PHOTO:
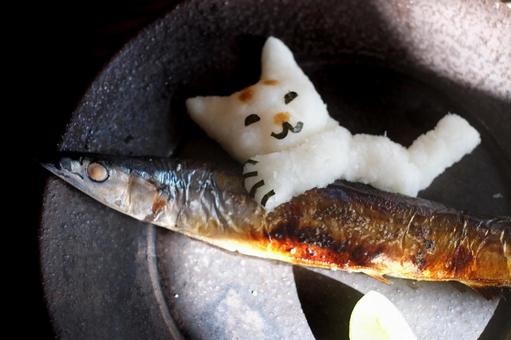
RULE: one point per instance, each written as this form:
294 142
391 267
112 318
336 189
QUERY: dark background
59 49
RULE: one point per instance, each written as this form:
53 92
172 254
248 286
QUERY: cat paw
255 182
261 180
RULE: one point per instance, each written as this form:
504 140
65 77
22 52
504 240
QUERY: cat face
279 111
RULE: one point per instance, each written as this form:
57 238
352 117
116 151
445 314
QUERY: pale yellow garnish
375 317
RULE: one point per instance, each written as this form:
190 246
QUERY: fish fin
488 293
380 278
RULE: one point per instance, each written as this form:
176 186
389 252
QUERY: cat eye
290 96
251 119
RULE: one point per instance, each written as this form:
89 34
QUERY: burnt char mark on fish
461 260
363 255
419 259
311 240
429 245
312 243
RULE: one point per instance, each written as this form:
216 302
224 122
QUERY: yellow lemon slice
375 317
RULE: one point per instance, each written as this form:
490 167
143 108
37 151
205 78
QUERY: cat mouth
286 127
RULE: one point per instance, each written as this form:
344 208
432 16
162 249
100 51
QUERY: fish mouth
61 166
67 175
51 168
286 127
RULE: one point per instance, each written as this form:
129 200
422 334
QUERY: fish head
101 178
183 196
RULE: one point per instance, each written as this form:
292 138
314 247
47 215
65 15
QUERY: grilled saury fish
343 226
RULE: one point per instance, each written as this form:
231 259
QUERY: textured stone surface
433 310
108 276
233 297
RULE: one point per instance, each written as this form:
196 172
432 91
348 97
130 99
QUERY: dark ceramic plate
394 66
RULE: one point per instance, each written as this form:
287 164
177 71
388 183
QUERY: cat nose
281 117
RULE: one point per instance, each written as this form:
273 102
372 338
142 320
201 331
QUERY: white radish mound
321 151
382 163
317 162
375 160
446 144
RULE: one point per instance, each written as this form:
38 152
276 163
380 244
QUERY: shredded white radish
282 127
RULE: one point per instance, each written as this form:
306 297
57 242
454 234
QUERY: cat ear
207 112
277 61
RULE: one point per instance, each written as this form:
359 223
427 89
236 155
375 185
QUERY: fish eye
97 172
288 98
251 119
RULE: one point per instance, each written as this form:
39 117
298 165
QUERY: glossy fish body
343 226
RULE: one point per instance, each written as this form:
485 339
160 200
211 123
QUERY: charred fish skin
359 229
343 226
